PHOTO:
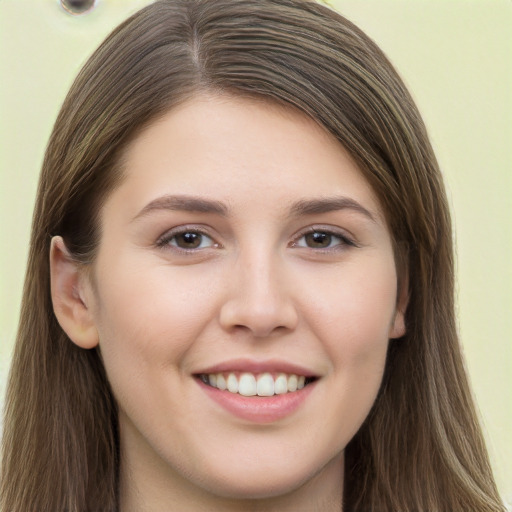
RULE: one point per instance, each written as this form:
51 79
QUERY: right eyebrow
184 203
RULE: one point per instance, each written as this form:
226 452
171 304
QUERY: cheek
354 311
352 316
151 318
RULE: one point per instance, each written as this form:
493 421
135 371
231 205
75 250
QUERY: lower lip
259 409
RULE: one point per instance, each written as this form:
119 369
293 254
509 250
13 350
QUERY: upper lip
253 366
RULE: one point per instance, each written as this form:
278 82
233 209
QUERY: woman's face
244 245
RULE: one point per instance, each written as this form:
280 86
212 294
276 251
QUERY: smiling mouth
250 384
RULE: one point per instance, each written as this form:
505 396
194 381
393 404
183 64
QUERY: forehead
239 150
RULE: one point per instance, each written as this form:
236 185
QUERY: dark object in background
78 6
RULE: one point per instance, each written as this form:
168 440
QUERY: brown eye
182 239
190 240
318 240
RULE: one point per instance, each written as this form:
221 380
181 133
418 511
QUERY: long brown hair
421 447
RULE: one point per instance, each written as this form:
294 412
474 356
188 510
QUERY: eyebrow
302 207
330 204
184 203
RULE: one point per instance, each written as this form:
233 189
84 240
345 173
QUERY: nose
259 298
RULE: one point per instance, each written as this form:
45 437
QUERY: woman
248 303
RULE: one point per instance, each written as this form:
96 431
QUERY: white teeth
292 383
221 381
232 383
265 384
281 384
247 384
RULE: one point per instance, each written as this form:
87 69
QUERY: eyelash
342 237
165 240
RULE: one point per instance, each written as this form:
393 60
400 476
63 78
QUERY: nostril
77 7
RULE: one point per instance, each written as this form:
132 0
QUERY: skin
256 288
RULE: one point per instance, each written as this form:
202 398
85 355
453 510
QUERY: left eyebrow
330 204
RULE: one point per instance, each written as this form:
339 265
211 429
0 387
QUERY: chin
264 481
251 488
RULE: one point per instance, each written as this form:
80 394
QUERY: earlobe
398 327
70 292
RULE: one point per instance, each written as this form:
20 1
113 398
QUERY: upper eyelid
331 230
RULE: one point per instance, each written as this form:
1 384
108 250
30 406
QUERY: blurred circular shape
78 6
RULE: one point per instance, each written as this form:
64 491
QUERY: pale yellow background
456 57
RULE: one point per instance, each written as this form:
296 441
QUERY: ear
398 328
71 296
